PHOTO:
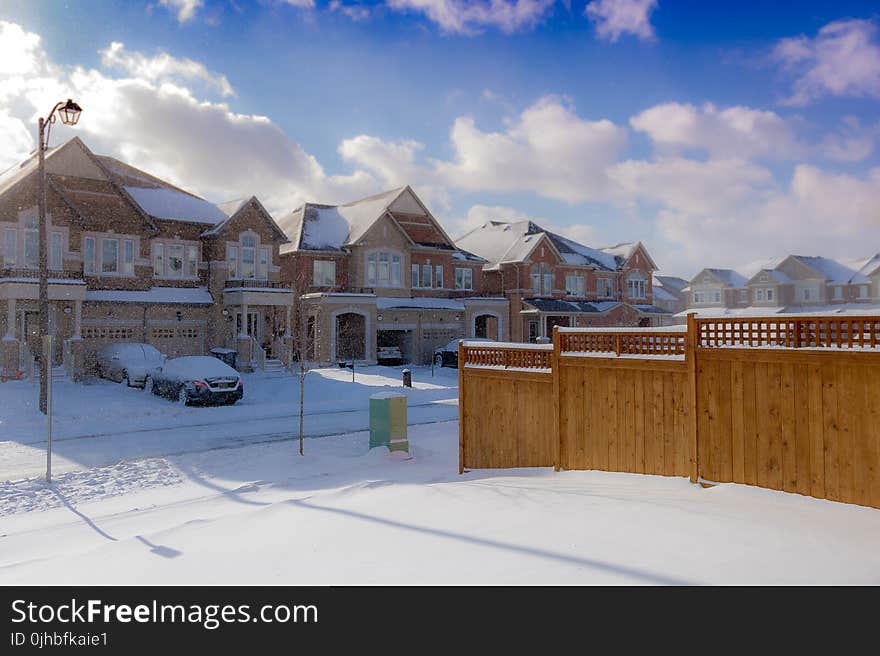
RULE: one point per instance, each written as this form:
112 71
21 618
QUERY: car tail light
200 384
241 383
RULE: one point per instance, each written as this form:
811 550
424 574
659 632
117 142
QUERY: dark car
447 356
198 379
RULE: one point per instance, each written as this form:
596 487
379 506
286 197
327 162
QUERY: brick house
382 272
670 293
718 288
551 280
134 258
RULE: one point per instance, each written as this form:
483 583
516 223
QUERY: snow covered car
447 356
128 362
198 379
389 355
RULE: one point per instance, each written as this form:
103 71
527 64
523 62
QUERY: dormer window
247 259
383 269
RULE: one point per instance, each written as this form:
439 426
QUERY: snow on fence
784 403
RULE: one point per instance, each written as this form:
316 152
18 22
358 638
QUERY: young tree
304 335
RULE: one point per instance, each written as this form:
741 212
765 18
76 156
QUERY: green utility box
388 421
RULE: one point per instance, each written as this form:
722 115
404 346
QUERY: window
192 261
31 247
383 269
128 257
699 297
863 291
536 281
158 260
232 261
838 293
769 294
109 256
89 255
323 273
605 288
542 277
438 278
55 251
533 331
636 286
414 275
464 278
174 263
759 294
10 241
574 285
548 282
263 269
744 296
426 275
808 294
248 256
716 296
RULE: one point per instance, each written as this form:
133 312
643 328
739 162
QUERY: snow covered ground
251 510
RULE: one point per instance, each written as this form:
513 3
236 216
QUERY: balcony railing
65 274
253 282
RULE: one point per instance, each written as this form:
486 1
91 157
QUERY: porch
259 320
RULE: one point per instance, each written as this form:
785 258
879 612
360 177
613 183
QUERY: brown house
380 277
551 280
135 258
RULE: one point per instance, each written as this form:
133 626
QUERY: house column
77 320
543 325
10 319
244 321
288 312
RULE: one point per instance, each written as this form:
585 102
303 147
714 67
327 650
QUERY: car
447 356
389 355
198 380
128 362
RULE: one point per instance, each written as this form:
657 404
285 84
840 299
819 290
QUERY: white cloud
843 59
355 12
853 142
548 150
615 18
736 131
302 4
162 67
186 9
472 16
164 128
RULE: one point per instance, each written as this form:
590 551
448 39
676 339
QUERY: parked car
128 362
447 356
198 379
389 355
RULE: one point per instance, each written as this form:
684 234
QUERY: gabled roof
727 277
501 242
672 283
777 277
319 227
864 267
233 208
661 294
832 270
626 250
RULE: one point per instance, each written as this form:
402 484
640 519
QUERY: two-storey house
550 280
380 272
134 258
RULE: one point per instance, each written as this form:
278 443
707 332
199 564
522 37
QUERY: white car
129 362
389 355
198 380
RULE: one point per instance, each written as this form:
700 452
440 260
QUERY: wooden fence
784 403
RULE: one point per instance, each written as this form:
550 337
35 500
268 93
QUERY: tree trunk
302 399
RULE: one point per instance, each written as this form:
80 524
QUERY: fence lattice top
632 342
537 358
807 332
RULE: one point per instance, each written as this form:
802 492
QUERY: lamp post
69 112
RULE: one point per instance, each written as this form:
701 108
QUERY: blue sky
718 133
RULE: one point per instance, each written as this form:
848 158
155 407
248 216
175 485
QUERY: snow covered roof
650 309
670 282
172 295
231 207
777 276
501 242
661 294
570 307
727 276
170 203
850 309
832 270
864 267
422 303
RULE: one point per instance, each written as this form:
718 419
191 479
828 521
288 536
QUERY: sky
719 134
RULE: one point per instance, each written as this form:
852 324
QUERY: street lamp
69 112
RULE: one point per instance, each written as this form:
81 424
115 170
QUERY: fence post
690 356
617 344
554 368
460 407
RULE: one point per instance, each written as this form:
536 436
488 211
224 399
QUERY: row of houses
795 284
134 258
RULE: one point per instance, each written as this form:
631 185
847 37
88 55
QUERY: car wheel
125 379
148 385
438 360
182 396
